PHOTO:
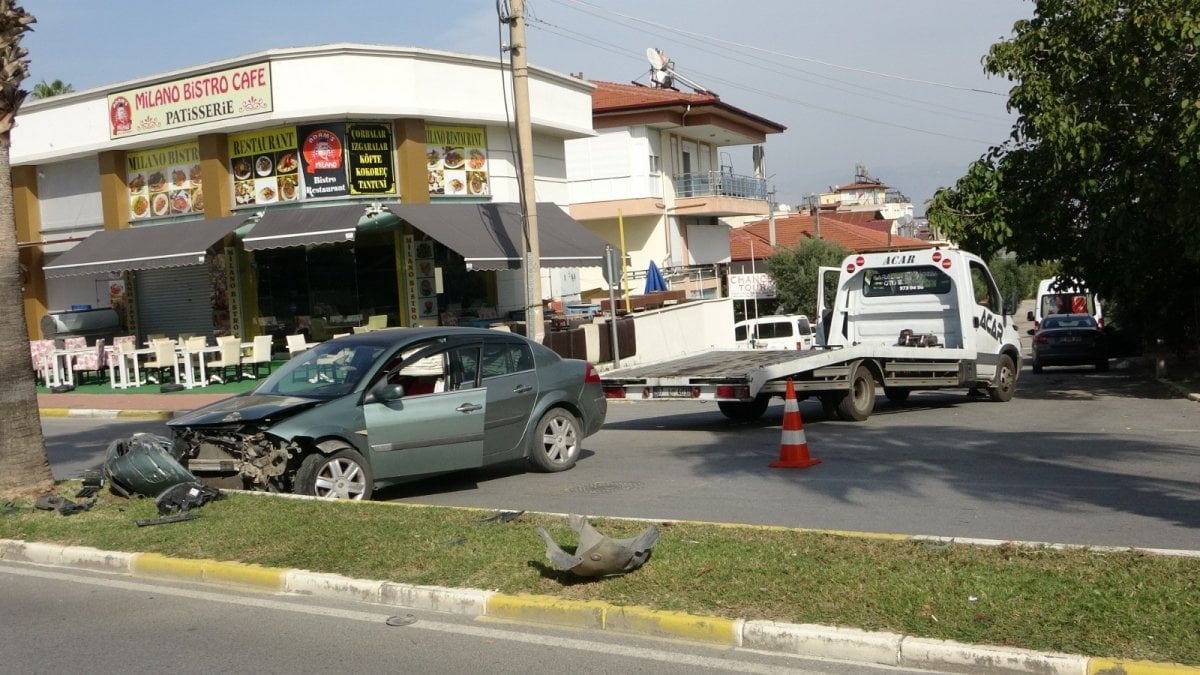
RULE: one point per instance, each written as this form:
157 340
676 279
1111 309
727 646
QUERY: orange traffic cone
793 450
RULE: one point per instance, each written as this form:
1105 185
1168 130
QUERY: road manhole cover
607 488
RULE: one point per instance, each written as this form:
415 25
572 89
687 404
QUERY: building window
655 164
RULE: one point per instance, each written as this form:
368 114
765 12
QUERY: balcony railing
719 184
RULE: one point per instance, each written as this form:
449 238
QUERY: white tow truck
926 319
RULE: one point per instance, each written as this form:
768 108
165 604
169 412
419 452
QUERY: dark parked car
373 409
1069 340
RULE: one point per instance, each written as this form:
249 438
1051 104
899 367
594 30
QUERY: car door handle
469 407
522 389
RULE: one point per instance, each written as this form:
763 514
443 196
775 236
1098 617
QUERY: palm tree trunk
24 468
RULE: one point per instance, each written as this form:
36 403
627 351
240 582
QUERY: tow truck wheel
743 411
829 405
859 402
897 394
1006 380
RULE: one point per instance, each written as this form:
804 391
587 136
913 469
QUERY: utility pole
814 205
534 328
771 215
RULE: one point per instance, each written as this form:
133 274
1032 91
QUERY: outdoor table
191 356
61 372
118 367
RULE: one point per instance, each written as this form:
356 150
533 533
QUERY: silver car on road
368 410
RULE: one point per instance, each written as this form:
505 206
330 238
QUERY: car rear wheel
555 442
744 411
1006 380
1037 368
340 474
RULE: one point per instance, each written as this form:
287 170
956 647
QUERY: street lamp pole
534 327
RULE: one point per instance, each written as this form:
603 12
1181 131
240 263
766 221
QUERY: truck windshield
905 281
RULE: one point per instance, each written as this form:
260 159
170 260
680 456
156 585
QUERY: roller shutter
174 301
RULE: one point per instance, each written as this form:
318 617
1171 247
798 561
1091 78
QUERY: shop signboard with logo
222 95
265 166
457 161
164 181
323 160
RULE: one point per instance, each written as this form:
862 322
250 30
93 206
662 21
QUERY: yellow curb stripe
645 621
1106 667
153 564
542 609
604 616
54 412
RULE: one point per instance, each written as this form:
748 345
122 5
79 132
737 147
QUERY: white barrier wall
685 328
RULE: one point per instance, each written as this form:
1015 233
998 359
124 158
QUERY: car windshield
330 369
1069 321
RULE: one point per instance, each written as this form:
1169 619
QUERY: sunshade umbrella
654 279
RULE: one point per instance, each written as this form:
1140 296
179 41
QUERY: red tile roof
611 97
790 231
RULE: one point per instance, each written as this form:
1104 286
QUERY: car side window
505 358
462 368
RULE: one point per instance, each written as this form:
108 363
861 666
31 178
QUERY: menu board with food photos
265 166
164 181
457 161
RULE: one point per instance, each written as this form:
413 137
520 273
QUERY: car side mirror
1029 316
385 393
1031 331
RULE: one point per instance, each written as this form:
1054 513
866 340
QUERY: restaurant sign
164 181
222 95
331 159
264 166
457 161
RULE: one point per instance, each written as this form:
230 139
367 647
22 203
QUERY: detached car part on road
369 410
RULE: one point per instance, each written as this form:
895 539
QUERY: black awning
489 236
279 228
143 248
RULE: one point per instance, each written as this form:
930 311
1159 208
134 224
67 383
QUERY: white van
1059 295
792 331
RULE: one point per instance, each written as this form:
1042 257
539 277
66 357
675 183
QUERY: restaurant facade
296 189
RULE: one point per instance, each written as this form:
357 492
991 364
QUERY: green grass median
1122 605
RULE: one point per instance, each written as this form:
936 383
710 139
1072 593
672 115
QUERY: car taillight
1037 325
1040 339
799 346
734 392
1100 322
614 392
592 376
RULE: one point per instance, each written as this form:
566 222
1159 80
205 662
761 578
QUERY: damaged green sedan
368 410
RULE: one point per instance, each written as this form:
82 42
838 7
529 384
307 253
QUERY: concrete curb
106 414
807 640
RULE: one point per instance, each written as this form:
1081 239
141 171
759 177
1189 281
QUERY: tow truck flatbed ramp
717 364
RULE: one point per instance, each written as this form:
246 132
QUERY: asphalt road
1077 457
64 621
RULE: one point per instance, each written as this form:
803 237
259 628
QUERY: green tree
46 89
1101 171
794 271
24 468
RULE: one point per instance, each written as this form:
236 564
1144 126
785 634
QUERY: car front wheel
341 474
555 442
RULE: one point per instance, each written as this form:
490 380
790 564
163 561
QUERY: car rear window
1069 321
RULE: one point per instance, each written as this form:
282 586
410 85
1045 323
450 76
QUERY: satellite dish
657 59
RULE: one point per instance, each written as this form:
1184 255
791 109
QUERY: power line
711 39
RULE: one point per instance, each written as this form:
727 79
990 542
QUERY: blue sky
895 86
